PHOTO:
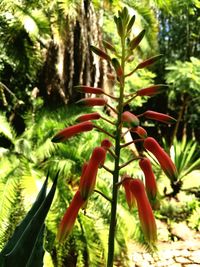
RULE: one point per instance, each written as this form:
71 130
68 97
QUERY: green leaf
20 254
36 258
20 228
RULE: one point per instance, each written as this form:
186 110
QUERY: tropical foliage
44 53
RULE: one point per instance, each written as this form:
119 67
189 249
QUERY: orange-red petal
163 158
72 130
145 212
69 217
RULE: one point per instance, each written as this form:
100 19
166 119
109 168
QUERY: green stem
111 240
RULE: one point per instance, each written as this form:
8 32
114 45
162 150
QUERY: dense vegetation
44 53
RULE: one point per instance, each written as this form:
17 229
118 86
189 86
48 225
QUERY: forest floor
183 252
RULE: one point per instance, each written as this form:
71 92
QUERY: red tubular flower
140 131
88 117
69 217
130 199
163 158
150 182
152 90
89 89
88 179
149 114
91 102
72 130
145 212
130 118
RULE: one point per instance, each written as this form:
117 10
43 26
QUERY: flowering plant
137 194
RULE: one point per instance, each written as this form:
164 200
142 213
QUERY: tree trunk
69 61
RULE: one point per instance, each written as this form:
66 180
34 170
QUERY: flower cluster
143 196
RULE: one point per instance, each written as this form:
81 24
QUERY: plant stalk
113 219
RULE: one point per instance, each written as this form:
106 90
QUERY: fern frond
11 208
6 129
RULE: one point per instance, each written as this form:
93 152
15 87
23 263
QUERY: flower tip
57 138
106 143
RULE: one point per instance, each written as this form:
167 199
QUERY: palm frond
186 157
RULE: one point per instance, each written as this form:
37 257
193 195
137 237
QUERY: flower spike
69 217
71 131
163 158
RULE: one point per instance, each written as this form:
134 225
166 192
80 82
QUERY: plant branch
128 162
107 169
105 119
104 131
132 142
103 195
113 109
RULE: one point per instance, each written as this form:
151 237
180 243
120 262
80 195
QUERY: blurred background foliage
44 53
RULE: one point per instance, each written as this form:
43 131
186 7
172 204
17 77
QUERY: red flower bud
149 114
152 90
140 131
163 158
72 130
150 180
130 199
135 42
109 46
100 53
88 178
90 102
88 117
148 62
117 67
130 118
69 217
145 212
89 89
